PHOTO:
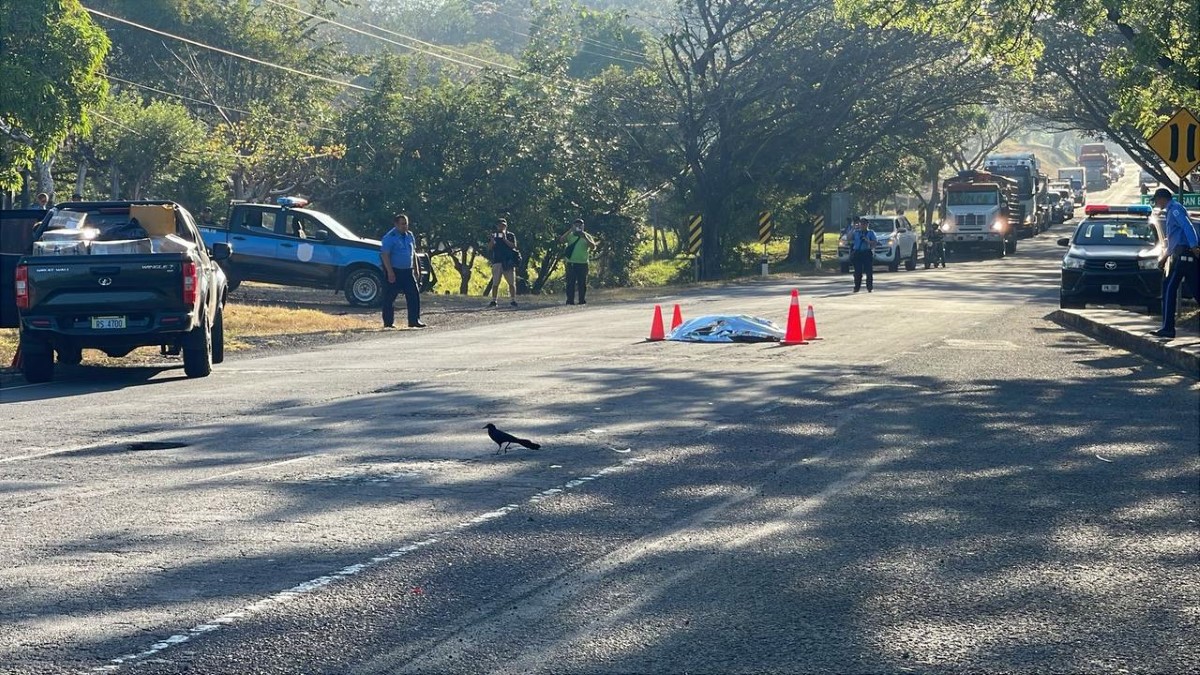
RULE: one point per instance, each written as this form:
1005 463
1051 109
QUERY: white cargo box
171 244
67 220
122 247
60 247
81 234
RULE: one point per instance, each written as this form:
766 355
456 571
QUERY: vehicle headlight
998 225
1072 263
1029 219
947 226
842 241
1148 263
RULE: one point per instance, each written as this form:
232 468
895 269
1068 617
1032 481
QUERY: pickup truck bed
119 302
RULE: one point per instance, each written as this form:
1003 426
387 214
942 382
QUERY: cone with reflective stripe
677 318
810 325
656 326
794 334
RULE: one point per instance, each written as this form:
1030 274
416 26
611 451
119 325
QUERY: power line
401 44
608 45
218 106
227 52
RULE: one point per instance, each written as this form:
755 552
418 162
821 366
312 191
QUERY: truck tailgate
131 284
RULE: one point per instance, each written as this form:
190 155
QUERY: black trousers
577 281
405 283
864 263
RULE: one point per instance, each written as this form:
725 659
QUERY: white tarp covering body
727 328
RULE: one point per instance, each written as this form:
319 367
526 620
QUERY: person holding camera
504 255
579 245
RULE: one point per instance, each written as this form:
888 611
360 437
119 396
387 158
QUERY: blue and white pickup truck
287 244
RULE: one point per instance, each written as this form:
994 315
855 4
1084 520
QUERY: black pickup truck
115 276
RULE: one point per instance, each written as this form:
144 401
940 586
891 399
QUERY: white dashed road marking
348 571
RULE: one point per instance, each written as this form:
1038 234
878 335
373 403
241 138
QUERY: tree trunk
463 265
935 169
81 175
549 262
114 182
45 179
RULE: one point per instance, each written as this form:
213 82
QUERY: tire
198 350
70 355
1064 303
37 362
218 336
845 268
894 265
910 263
1010 247
364 288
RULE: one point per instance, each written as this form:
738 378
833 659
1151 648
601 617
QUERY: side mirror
221 251
1065 241
321 235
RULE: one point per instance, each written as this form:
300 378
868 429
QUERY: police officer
1182 248
862 256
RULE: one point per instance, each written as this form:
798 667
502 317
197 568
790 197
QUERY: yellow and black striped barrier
766 227
694 234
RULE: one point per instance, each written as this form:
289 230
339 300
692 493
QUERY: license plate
107 322
1110 288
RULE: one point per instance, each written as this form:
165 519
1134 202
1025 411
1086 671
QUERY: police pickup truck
116 276
287 244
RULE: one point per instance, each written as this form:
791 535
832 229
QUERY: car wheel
894 265
364 288
845 268
218 336
1010 247
910 263
198 350
1063 303
37 362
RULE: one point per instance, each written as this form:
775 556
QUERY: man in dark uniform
1182 248
862 256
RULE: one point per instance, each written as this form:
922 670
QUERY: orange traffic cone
677 319
656 326
810 325
794 334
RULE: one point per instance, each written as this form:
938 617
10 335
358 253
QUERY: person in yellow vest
579 245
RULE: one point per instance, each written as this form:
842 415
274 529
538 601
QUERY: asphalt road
945 482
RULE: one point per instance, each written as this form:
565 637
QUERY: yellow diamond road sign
1178 142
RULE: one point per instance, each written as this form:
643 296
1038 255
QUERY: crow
503 439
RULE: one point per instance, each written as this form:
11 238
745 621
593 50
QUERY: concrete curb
1184 357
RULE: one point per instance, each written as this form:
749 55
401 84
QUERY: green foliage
158 150
52 55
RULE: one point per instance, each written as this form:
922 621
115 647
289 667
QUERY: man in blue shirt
1182 248
862 243
399 258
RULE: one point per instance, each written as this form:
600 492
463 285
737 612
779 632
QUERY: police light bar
1136 209
295 202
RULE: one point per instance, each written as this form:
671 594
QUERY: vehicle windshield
335 228
1116 232
972 198
1019 174
102 224
881 225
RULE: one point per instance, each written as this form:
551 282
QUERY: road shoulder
1131 332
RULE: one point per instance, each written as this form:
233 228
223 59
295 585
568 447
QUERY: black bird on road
504 439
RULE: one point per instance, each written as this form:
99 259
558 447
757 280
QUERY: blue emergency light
292 202
1132 209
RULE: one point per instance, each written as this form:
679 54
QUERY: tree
52 56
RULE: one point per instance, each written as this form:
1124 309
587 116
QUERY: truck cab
285 243
1022 169
978 213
